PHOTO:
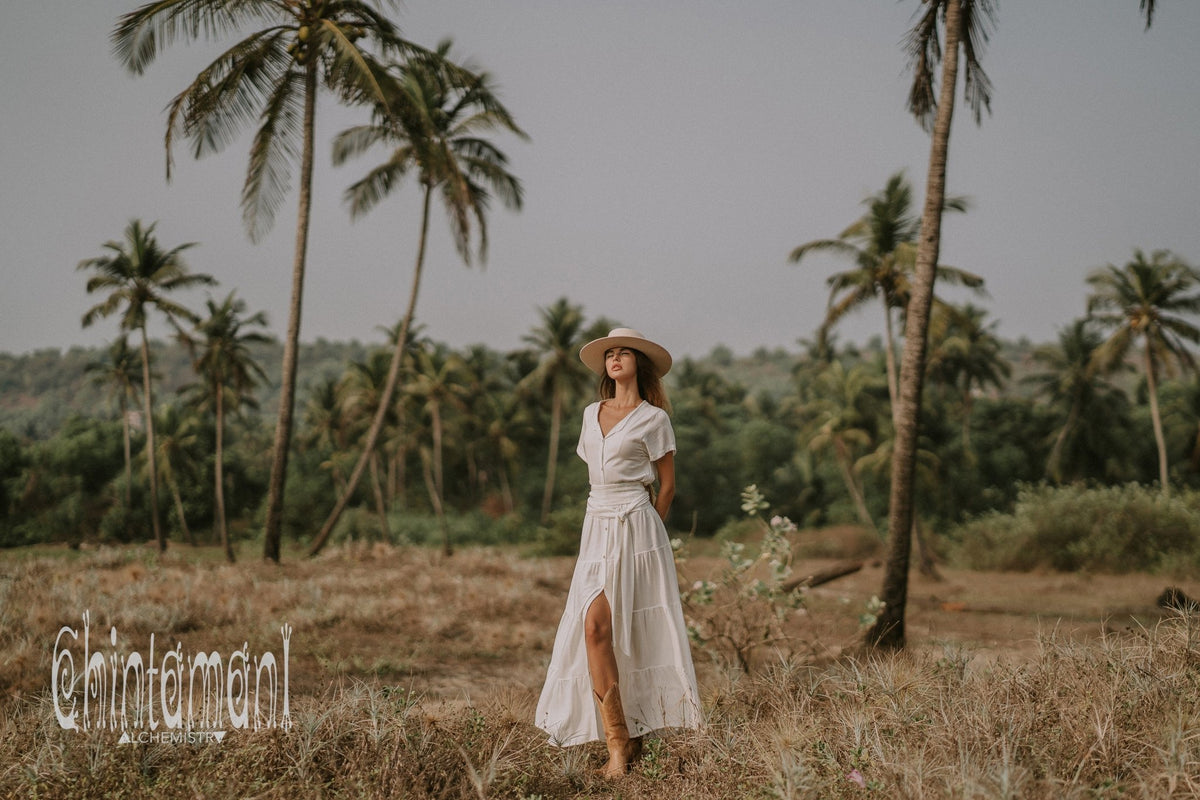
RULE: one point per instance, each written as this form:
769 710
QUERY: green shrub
560 536
1117 529
466 529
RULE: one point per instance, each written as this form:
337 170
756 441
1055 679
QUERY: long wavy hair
650 385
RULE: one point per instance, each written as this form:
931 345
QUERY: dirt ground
502 643
483 621
1003 615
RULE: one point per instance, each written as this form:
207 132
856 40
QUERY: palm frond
924 53
977 16
823 245
1147 7
227 95
350 72
365 194
140 34
356 141
272 153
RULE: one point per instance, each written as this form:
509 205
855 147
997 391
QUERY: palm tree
326 427
222 358
559 372
882 244
139 275
362 393
506 418
1143 301
1181 417
437 115
965 25
120 373
483 381
177 436
271 78
1071 380
967 356
437 383
842 419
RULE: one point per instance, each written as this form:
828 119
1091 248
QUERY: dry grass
413 675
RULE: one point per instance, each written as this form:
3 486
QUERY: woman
621 661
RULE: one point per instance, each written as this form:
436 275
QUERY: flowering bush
746 607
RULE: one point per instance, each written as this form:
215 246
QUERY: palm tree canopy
848 404
1147 8
882 243
434 119
967 352
261 79
558 339
925 57
362 388
1069 368
1147 299
140 273
439 377
120 372
222 354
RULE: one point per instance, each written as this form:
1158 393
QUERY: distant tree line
468 431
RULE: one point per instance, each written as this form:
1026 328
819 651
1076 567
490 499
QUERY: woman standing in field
621 665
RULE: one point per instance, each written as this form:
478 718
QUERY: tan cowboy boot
621 749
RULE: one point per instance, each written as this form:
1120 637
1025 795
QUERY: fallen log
824 576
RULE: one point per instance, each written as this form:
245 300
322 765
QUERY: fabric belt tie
616 501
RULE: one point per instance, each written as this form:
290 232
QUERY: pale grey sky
679 151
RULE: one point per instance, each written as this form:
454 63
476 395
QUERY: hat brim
592 353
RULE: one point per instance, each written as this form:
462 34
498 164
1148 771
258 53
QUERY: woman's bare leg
597 635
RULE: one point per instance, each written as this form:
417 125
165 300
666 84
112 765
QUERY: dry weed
416 676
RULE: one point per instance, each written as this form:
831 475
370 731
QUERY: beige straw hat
592 353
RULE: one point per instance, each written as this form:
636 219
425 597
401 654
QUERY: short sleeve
660 436
581 448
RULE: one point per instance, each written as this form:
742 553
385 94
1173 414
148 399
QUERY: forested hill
40 390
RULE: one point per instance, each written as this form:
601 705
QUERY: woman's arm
666 485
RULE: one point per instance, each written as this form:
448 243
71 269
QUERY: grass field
415 675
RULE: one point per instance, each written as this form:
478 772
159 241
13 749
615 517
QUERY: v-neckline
618 423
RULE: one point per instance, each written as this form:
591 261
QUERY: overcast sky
678 152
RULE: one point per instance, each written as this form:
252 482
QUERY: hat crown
592 353
629 332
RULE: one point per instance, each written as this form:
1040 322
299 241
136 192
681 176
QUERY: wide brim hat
592 353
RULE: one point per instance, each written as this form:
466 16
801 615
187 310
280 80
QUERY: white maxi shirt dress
624 552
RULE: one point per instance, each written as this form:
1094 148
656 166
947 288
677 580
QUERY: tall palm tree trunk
380 503
435 414
389 386
127 441
178 500
219 476
842 456
924 557
968 407
507 494
888 630
552 459
401 458
1054 463
287 392
1156 419
151 460
889 358
436 500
